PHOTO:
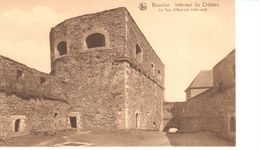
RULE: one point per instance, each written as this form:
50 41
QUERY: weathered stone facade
104 74
173 113
214 109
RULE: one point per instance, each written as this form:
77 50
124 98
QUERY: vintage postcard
117 73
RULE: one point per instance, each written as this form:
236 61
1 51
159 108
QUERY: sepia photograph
117 73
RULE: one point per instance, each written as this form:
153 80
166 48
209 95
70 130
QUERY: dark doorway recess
136 120
17 125
73 122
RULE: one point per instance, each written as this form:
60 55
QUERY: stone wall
214 110
144 101
33 97
149 62
99 92
104 74
144 80
22 81
167 110
88 87
215 107
36 115
74 32
224 72
173 115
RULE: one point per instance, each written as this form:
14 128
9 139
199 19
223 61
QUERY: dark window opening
19 74
138 53
62 48
152 68
17 125
233 124
43 80
55 115
137 49
95 40
159 74
73 122
136 120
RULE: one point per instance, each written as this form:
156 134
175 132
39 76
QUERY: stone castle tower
104 74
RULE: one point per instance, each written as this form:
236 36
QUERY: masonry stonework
104 74
214 109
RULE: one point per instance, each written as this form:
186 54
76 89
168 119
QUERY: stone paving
120 138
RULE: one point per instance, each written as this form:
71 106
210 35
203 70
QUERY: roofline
233 51
195 79
202 87
89 14
166 102
144 37
123 8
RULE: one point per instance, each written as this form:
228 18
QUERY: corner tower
118 78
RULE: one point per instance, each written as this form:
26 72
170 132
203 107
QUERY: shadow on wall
172 123
180 136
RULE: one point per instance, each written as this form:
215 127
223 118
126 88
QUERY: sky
186 42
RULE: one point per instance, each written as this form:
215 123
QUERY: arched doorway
136 120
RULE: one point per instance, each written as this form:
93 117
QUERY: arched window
96 40
152 68
137 49
138 52
159 74
62 48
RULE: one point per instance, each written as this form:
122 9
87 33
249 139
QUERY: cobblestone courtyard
119 138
